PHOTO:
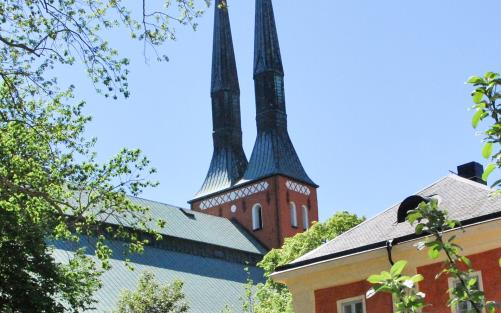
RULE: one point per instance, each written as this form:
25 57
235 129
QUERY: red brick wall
436 290
326 299
275 210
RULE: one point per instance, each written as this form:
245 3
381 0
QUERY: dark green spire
228 160
273 151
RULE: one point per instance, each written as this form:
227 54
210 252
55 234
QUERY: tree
275 297
51 186
151 297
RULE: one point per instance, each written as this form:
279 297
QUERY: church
245 207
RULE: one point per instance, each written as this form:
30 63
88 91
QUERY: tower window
306 222
257 217
293 214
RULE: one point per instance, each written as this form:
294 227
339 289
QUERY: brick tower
271 196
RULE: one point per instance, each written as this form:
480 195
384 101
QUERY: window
351 305
465 307
293 214
257 217
306 222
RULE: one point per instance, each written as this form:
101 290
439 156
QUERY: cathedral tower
274 197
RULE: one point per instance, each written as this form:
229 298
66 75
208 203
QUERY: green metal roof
209 284
191 225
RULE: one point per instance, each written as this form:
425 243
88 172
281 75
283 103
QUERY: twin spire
273 152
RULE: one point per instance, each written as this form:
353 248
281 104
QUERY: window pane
463 307
347 308
359 308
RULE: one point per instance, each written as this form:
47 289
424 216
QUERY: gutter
384 243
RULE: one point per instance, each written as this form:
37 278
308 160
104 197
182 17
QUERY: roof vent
410 203
472 171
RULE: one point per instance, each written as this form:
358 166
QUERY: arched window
306 222
293 214
257 217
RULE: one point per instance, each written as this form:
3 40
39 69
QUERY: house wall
274 199
486 262
317 287
326 299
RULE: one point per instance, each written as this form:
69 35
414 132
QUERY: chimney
472 171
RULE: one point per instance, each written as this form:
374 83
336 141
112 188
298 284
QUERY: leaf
397 268
374 279
419 229
490 75
370 293
477 117
499 262
475 80
477 97
433 253
417 278
488 170
487 150
497 182
466 261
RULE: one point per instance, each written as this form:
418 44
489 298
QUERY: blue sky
375 95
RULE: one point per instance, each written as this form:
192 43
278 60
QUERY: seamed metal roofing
462 198
195 226
209 284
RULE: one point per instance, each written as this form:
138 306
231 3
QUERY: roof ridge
470 182
180 208
156 201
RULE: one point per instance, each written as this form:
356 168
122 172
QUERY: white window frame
452 280
340 303
255 225
293 212
304 214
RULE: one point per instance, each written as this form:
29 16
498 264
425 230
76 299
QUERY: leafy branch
429 219
486 96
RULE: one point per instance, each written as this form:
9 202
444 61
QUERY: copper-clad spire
273 151
228 160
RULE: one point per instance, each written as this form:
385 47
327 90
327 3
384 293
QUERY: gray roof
209 284
462 198
200 227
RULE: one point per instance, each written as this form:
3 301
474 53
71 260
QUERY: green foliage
487 107
272 297
429 219
36 35
151 297
51 186
409 301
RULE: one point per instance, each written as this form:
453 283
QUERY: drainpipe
389 246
